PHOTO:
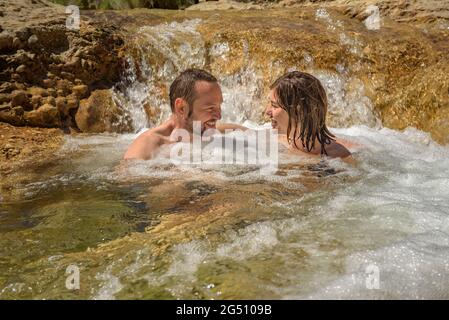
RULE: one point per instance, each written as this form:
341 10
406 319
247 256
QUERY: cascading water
157 54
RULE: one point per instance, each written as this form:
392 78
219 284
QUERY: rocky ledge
48 71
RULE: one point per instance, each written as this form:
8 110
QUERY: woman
297 109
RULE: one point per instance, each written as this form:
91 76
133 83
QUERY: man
195 95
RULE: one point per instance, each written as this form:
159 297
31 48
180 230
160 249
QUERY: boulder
46 116
20 98
80 91
11 116
6 41
99 113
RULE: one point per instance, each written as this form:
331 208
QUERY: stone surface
46 115
99 113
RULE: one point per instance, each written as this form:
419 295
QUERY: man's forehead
208 90
206 86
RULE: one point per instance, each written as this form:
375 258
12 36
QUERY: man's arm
144 147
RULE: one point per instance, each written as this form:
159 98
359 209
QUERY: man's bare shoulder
145 145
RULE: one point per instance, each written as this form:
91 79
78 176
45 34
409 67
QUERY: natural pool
308 230
155 230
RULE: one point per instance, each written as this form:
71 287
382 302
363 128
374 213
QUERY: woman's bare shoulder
337 150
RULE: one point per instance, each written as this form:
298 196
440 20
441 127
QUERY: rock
7 87
33 40
73 64
10 116
20 98
68 75
4 97
61 105
72 102
38 91
21 69
16 77
18 44
36 101
48 83
6 41
50 100
21 56
80 91
18 111
46 116
23 34
63 85
52 92
99 113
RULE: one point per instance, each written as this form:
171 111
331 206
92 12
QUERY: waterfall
157 54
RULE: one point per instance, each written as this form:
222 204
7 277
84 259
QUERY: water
150 229
153 230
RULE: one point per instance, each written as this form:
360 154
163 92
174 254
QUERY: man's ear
181 108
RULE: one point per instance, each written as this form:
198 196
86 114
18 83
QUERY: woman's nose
268 111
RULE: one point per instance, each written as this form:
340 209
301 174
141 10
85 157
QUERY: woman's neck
316 150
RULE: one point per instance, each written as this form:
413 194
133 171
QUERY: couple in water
297 108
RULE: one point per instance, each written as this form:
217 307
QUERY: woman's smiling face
277 115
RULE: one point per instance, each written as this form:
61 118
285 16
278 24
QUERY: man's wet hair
184 86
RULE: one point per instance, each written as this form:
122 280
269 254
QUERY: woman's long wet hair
304 99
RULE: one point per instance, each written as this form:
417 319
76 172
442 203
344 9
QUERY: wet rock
99 113
46 116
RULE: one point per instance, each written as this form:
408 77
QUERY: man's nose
217 114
